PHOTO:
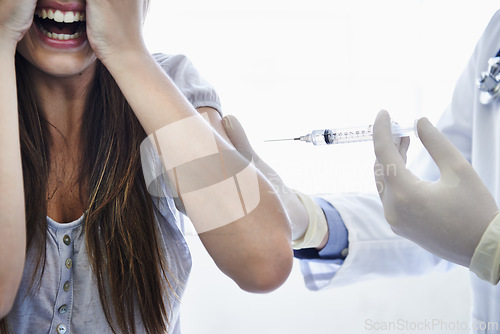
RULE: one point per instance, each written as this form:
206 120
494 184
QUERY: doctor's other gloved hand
447 217
309 227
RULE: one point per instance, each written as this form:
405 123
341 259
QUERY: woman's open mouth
59 25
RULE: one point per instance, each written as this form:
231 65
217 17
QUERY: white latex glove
295 210
447 217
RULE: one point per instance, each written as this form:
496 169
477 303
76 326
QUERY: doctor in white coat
452 217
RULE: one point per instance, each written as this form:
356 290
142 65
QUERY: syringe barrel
320 137
354 134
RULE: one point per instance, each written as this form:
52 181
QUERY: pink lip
58 44
63 7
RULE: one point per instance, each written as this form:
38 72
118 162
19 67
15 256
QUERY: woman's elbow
8 292
264 283
6 303
267 274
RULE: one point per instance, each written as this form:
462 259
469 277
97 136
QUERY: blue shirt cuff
337 232
337 236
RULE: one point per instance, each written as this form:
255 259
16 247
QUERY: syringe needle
281 139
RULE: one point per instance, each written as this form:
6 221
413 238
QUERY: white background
286 67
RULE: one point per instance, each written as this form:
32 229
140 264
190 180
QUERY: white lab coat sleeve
374 250
460 118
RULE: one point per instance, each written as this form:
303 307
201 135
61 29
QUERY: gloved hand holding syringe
350 135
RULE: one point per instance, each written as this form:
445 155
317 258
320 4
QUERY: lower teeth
61 37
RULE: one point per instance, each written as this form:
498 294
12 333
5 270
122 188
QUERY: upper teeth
59 16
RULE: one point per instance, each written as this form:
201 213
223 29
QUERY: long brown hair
120 229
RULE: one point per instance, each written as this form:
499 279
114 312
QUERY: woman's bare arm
12 215
251 244
254 250
16 17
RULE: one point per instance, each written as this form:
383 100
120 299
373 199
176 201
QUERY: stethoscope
489 81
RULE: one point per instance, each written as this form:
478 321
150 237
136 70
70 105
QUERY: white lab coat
374 250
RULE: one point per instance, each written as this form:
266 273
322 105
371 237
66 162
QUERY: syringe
350 135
